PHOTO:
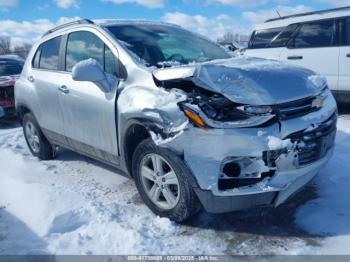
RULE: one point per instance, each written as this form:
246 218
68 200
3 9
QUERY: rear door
44 78
344 60
315 46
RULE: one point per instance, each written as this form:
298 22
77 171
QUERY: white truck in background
317 40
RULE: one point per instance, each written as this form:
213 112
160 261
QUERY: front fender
153 107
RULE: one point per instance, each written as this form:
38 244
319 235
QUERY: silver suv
191 125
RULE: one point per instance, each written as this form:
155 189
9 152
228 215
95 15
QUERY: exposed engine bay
215 106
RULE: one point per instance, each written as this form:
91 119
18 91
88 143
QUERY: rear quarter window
36 59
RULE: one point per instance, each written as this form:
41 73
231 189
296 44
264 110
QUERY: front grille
295 108
315 144
312 144
7 93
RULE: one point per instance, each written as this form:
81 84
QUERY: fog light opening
232 169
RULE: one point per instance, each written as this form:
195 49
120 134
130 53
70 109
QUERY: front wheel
38 145
162 180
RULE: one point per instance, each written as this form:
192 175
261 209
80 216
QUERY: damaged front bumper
272 193
240 168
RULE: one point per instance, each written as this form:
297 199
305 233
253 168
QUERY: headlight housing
200 118
256 110
219 112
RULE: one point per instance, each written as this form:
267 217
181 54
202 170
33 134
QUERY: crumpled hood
249 80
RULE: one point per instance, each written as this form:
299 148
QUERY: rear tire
167 191
38 145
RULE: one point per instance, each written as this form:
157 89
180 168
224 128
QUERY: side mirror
91 71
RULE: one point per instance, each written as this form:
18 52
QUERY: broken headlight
218 111
222 109
256 110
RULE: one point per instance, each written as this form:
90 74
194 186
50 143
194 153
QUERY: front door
89 112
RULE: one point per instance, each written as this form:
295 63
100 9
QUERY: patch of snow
329 214
275 143
181 72
175 131
261 133
73 205
70 206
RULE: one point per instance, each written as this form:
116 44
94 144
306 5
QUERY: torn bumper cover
281 187
239 168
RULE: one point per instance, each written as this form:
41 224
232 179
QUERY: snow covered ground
74 205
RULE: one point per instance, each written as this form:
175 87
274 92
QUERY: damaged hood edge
249 80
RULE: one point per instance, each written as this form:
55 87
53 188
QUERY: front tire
162 180
38 145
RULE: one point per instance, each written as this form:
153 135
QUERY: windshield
162 45
9 68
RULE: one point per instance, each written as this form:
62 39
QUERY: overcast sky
26 20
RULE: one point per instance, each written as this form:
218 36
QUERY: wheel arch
21 110
136 131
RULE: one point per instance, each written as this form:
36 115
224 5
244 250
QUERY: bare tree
5 45
23 50
228 37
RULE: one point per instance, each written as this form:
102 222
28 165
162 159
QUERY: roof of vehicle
107 23
112 22
304 17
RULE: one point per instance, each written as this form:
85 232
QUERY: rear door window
49 55
263 38
315 34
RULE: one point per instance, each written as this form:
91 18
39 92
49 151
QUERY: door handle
30 79
348 55
295 57
64 89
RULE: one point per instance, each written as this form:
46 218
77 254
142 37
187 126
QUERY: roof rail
77 22
309 13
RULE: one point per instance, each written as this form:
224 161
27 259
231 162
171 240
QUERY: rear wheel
36 141
162 180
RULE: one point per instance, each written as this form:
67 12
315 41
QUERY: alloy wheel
32 136
160 181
